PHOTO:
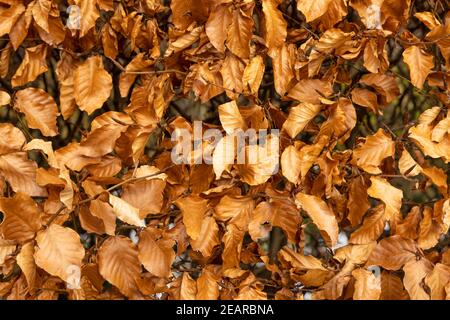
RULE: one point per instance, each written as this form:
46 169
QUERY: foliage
92 206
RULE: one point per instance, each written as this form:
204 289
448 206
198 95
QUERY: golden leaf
7 248
420 65
118 263
217 26
437 280
156 254
291 164
193 209
230 117
358 202
375 149
92 84
283 60
4 98
25 260
275 25
367 285
320 213
39 108
393 252
300 261
391 196
313 10
59 252
415 272
188 289
125 211
33 64
208 237
145 195
89 14
22 218
371 229
253 75
12 138
207 286
299 117
239 32
311 90
392 287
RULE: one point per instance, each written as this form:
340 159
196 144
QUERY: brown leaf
193 209
22 218
33 64
320 213
41 113
8 16
208 237
300 261
188 289
230 117
239 32
59 252
367 285
90 13
217 26
21 173
232 75
25 260
392 287
420 65
12 139
118 263
375 149
358 202
391 196
126 212
7 248
155 253
437 280
253 75
311 90
299 117
393 252
4 98
105 212
371 229
207 286
283 60
313 10
275 25
415 272
92 84
145 195
291 164
365 98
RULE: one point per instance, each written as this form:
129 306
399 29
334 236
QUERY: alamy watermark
198 146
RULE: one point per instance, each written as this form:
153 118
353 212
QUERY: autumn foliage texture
92 207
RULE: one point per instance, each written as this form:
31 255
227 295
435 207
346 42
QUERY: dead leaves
420 65
155 253
348 98
39 108
119 264
22 218
59 252
92 84
374 150
320 214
